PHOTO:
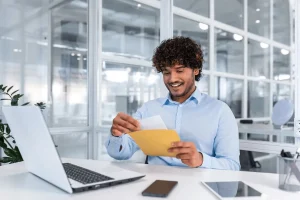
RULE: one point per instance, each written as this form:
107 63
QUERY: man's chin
176 94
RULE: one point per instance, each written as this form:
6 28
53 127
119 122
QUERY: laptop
42 159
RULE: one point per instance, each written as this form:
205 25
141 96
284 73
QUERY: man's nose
173 77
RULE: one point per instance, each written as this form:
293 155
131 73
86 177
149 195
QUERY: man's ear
196 71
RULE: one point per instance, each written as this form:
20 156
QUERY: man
206 126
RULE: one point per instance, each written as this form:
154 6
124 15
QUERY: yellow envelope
155 142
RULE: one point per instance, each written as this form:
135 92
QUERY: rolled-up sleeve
226 144
123 147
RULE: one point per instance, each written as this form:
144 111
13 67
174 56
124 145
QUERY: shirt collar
196 97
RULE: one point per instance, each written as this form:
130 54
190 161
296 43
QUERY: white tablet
232 190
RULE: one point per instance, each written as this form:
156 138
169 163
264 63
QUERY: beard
181 91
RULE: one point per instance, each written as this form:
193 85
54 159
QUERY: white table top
189 183
264 129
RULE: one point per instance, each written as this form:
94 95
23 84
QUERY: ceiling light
257 21
224 34
78 54
84 58
262 77
16 50
284 51
264 45
282 77
237 37
203 26
78 58
139 5
72 54
117 76
257 9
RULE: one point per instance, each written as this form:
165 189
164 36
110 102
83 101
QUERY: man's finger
130 119
182 144
133 123
184 156
180 150
116 132
122 129
124 124
127 125
186 161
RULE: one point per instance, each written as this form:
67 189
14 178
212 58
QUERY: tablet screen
232 189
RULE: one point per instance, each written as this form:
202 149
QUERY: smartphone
159 188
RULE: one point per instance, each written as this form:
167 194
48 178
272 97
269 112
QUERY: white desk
27 186
266 129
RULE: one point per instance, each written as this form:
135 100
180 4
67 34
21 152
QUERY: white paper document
154 122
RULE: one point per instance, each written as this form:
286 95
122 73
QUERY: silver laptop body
42 159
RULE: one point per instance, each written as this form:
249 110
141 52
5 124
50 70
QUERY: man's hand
124 123
187 152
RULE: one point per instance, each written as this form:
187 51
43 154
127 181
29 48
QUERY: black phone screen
159 188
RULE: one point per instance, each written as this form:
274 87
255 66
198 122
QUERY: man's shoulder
211 101
155 102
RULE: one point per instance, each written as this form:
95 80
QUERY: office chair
146 161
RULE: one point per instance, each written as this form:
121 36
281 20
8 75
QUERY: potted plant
7 141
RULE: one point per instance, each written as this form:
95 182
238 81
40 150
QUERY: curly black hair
181 51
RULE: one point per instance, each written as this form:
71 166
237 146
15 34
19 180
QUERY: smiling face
180 81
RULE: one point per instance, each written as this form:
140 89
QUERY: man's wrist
200 159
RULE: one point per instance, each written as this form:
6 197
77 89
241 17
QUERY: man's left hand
187 152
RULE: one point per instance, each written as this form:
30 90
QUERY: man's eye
180 71
166 73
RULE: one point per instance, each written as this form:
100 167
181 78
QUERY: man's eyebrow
181 66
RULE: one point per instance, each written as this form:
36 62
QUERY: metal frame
215 24
165 20
297 72
167 11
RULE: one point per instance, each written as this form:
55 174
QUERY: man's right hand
124 123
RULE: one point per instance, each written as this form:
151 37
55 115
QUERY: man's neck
183 99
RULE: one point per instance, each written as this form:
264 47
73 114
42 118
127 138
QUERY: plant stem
6 94
8 142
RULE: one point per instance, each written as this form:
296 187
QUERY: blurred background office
88 60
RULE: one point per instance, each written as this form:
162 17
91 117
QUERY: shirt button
180 105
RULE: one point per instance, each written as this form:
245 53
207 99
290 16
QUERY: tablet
232 190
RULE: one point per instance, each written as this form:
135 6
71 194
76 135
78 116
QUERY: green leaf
9 136
20 95
3 89
2 127
10 152
3 145
7 129
25 104
14 101
1 86
4 99
42 105
14 92
20 158
9 89
6 160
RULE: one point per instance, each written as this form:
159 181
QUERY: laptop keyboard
83 175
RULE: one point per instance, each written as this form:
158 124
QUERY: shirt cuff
116 142
206 161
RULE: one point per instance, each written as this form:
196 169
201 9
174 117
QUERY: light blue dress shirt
205 121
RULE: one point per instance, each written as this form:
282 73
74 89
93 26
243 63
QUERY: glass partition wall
88 60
